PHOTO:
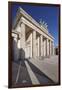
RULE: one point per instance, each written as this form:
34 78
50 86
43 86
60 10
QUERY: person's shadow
21 54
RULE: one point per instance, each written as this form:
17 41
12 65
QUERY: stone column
47 47
41 44
34 44
50 47
53 47
31 45
38 46
44 47
22 41
15 47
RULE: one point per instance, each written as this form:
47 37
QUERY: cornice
21 13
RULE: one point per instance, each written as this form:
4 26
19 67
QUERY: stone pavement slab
31 74
49 66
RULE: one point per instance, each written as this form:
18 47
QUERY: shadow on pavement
43 79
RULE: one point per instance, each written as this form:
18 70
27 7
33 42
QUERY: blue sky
48 14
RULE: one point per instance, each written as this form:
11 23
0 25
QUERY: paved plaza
35 71
49 66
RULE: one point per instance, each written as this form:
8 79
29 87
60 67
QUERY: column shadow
43 79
